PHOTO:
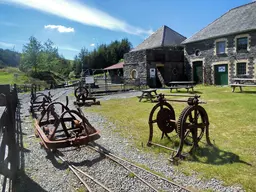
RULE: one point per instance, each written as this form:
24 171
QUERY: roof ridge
217 20
242 5
175 32
163 36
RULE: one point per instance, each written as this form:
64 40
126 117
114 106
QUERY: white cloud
81 13
92 45
67 48
60 28
4 44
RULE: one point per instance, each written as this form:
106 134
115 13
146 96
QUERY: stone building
157 60
224 49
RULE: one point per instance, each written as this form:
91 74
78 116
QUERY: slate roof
115 66
236 20
163 37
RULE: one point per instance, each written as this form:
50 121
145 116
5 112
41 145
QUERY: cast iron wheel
81 93
163 119
191 126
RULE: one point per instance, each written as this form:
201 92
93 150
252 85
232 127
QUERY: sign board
222 69
89 80
152 72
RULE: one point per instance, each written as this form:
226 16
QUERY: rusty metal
61 127
39 101
83 99
190 127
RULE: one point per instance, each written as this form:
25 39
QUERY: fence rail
102 84
8 147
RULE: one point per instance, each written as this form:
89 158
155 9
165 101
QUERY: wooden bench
240 86
182 86
148 94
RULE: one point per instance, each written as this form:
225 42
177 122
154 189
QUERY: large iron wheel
191 125
81 93
163 115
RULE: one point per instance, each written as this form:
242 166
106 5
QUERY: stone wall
209 57
135 61
142 61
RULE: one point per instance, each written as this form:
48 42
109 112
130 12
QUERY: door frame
192 67
220 63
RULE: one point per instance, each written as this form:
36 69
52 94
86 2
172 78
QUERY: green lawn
232 130
7 76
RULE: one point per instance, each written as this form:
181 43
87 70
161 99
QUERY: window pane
221 46
242 43
241 68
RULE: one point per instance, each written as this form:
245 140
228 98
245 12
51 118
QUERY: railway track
152 182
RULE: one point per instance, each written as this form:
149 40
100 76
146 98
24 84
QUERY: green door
198 72
221 74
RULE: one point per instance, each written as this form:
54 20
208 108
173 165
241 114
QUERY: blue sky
73 24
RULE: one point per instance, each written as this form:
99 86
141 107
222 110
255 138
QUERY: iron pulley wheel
191 125
163 115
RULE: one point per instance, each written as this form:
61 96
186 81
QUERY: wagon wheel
81 93
191 125
163 115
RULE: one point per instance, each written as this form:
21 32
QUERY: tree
31 54
104 55
50 55
77 66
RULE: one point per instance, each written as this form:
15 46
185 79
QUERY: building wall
135 61
209 57
142 61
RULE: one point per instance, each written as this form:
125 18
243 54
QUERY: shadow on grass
246 92
215 156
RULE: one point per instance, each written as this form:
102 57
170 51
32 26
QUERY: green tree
77 66
31 54
50 56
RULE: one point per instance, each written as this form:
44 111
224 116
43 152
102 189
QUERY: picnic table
243 82
148 94
181 84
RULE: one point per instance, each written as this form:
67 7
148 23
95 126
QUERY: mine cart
183 134
60 127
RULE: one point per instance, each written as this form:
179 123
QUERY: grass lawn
232 130
7 76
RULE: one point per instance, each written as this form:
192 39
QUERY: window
242 43
241 68
134 74
220 47
197 52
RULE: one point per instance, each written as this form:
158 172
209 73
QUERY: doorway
221 74
198 72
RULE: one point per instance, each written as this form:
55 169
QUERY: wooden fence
9 158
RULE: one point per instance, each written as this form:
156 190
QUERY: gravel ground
42 172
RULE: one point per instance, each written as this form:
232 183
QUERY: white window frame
242 36
215 46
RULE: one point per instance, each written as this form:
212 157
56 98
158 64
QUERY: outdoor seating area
243 82
181 85
147 94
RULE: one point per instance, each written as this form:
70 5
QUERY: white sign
89 80
152 72
222 69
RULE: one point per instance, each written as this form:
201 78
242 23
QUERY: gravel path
42 172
